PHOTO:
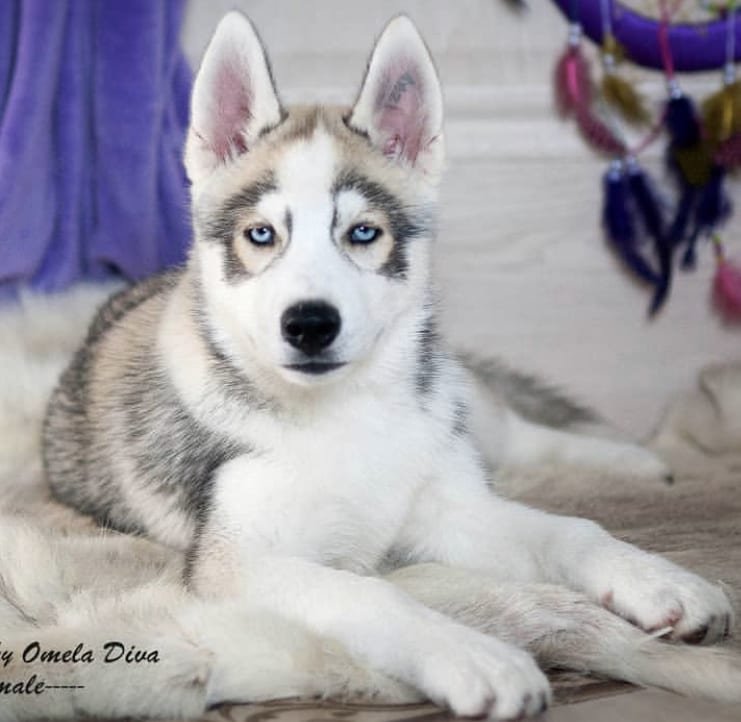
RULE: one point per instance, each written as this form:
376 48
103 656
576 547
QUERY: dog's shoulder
126 300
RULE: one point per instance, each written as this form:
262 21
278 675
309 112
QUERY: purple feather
712 208
617 218
714 205
682 121
682 215
683 125
650 213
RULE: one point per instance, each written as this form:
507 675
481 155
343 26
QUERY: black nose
310 326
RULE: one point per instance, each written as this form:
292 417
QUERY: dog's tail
101 626
565 630
599 642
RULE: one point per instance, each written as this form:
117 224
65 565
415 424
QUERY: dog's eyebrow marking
373 191
405 222
219 226
249 197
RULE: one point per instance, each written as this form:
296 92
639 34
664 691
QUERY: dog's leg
378 625
564 630
526 444
459 521
383 628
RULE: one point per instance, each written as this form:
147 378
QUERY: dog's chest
338 489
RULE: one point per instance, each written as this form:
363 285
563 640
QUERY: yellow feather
721 113
695 163
622 96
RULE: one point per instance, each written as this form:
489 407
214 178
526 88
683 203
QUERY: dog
283 415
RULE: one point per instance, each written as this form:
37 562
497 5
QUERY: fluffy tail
604 644
101 626
564 629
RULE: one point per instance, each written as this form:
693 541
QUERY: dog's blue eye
261 235
364 234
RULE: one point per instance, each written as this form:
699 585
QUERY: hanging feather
683 127
689 160
728 153
598 134
694 163
620 227
572 79
650 213
625 99
727 291
726 286
574 93
712 208
721 113
681 120
688 155
714 205
615 90
677 232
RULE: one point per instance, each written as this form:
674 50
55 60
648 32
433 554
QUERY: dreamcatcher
703 144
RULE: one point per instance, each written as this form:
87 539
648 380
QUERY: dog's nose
310 326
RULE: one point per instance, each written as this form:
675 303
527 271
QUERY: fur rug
696 521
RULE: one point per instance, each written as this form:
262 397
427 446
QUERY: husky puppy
284 411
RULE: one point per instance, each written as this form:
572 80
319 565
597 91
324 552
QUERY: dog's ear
233 99
400 102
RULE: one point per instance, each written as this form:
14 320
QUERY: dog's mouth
315 368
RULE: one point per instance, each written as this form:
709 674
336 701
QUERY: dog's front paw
655 594
478 676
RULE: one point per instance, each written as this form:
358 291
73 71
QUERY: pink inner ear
231 112
400 111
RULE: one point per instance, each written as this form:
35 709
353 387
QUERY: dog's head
313 223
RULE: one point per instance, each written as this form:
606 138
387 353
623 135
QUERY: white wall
521 261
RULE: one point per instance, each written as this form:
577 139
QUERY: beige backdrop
521 261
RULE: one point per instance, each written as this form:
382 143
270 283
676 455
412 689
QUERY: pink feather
729 152
597 133
727 291
573 85
573 98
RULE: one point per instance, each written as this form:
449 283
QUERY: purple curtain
93 112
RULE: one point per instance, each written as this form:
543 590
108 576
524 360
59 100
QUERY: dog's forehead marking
307 169
305 176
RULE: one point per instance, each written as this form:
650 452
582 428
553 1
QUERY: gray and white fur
283 414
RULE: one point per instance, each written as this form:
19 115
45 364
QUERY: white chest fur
334 486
